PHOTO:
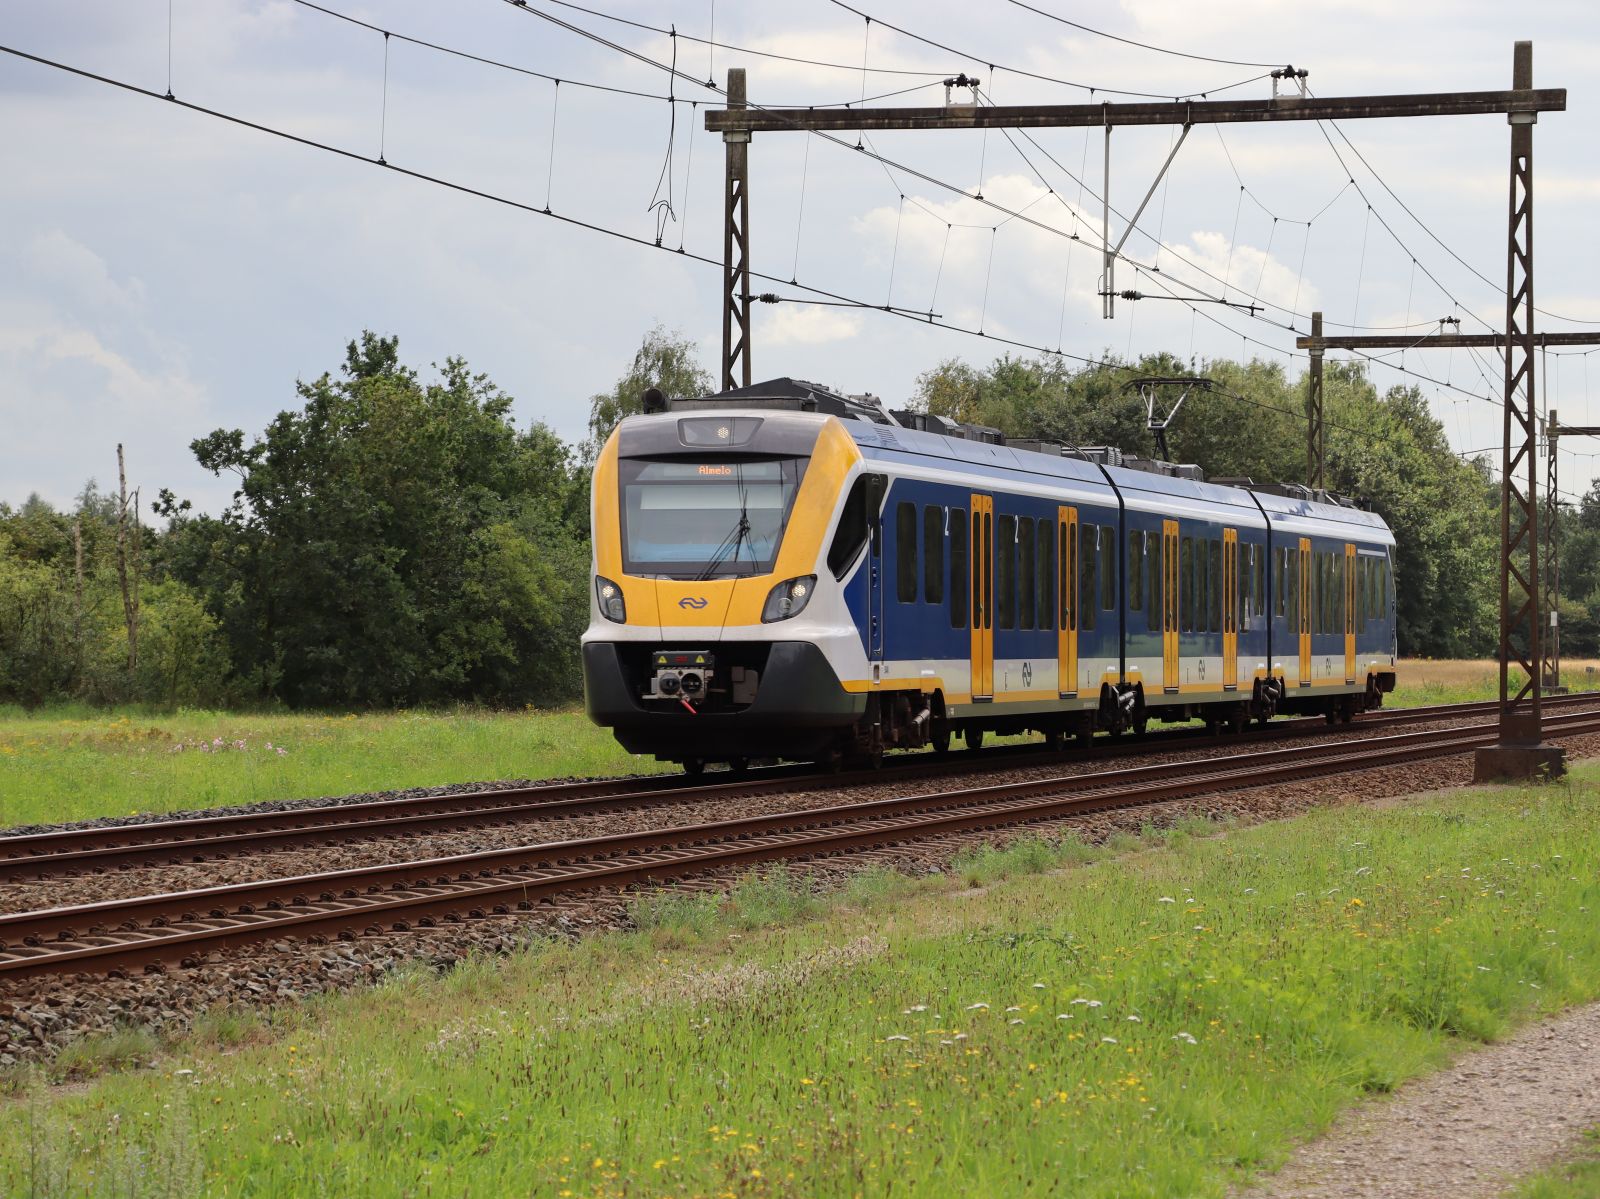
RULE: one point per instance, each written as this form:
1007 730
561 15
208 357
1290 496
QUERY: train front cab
759 629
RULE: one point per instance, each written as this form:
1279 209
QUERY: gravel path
1468 1131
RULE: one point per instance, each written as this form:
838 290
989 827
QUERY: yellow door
1067 588
1349 612
1230 609
1305 611
1169 605
982 558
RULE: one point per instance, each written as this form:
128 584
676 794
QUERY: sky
164 273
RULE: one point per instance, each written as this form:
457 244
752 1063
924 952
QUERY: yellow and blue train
783 571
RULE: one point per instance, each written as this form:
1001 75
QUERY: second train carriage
782 572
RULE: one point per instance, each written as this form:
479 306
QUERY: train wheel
974 738
694 766
1085 738
829 761
738 765
939 739
1141 728
1055 741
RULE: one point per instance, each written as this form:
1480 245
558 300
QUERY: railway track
209 838
187 927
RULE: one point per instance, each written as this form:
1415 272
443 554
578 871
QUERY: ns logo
693 601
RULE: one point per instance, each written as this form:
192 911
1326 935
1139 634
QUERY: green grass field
72 763
1152 1021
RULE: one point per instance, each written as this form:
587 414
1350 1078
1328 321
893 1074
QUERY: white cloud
55 259
796 325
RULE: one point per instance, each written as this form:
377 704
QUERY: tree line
394 540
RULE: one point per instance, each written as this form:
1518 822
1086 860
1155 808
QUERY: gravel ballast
38 1017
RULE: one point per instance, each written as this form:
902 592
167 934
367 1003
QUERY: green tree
369 553
665 360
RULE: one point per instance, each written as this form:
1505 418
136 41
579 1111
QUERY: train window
1186 585
1108 567
851 534
905 552
1047 574
1152 594
1215 585
958 568
1006 565
1280 573
1028 588
1361 591
1258 583
1241 589
1088 559
933 554
1069 576
1135 569
1324 593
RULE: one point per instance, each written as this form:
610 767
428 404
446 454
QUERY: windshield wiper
732 542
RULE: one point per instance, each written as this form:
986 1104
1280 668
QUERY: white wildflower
1166 899
1109 1041
897 1037
1134 1020
1187 1038
977 1007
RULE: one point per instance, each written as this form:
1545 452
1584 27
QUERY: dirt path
1468 1131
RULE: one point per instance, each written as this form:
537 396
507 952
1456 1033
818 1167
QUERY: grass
72 763
1158 1023
1575 1179
1422 681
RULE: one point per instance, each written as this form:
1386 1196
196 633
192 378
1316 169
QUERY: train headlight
788 598
612 606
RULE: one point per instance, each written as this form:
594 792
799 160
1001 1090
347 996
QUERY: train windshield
705 519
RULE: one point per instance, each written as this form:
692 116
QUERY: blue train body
913 585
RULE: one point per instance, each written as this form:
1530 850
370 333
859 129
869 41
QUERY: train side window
1260 578
933 554
1186 585
1241 596
1280 572
1135 570
905 553
1152 594
1047 574
851 535
1069 576
1289 589
1028 587
1108 567
1005 551
1218 585
1088 561
958 568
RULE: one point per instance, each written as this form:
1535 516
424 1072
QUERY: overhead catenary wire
1127 41
1081 86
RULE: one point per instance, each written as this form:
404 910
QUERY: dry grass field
1446 680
